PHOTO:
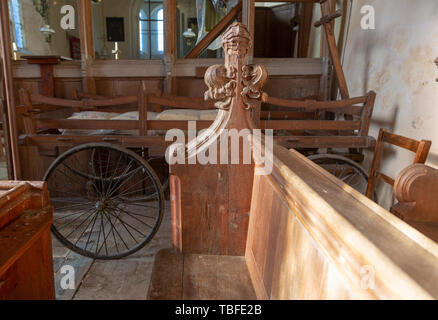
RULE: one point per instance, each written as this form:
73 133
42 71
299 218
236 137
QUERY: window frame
149 33
15 8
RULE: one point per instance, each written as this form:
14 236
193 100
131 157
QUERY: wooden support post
5 39
170 47
328 26
248 19
306 14
87 45
46 64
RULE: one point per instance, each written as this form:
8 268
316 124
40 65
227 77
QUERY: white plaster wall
396 60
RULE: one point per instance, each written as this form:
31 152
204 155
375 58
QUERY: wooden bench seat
180 276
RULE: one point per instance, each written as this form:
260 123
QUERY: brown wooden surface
26 266
85 14
416 189
200 277
313 237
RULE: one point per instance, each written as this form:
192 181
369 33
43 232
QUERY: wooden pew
293 232
26 266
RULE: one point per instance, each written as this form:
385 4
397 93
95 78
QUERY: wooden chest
26 265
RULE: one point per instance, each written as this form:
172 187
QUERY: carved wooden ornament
211 203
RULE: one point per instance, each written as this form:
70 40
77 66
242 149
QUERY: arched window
151 29
16 21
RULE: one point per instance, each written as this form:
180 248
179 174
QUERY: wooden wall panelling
9 87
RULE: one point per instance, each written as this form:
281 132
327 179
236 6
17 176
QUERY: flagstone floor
128 278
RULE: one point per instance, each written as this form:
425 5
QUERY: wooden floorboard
200 277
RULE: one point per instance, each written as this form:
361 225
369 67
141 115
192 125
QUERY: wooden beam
334 53
306 14
87 44
170 47
215 32
248 19
5 38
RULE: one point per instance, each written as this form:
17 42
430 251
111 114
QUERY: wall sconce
116 51
48 32
14 51
189 36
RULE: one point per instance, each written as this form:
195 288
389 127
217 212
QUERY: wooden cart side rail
147 141
310 125
178 102
167 125
80 124
311 236
313 105
84 103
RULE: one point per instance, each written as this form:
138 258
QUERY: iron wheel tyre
110 212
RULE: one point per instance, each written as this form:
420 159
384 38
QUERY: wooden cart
103 157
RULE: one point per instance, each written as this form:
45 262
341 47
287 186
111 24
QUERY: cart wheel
108 201
345 169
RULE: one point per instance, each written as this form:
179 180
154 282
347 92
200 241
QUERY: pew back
311 236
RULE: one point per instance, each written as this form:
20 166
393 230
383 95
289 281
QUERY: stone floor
128 278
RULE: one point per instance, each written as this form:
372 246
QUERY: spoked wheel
108 201
345 169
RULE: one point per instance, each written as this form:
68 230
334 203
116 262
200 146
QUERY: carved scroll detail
221 83
254 77
236 40
235 77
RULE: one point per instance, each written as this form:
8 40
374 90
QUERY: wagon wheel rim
344 169
111 212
